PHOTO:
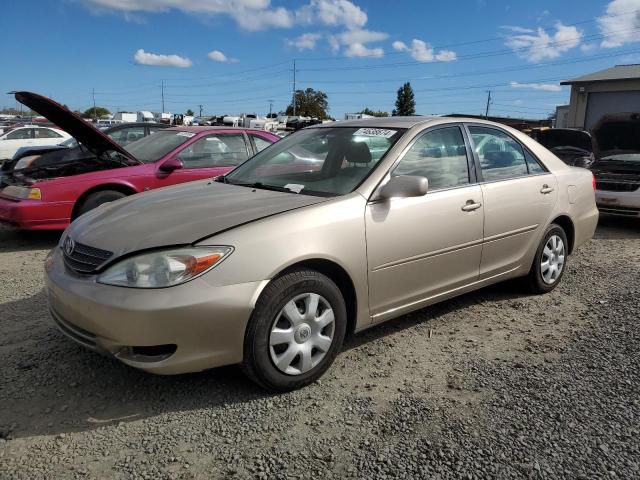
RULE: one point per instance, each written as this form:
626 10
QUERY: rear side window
46 133
261 143
501 157
533 164
440 156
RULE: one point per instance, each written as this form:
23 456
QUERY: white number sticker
375 132
185 134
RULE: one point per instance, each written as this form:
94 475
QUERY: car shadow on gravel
54 386
612 227
23 241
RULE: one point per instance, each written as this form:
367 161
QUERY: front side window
20 134
46 133
323 161
501 157
154 147
440 156
215 151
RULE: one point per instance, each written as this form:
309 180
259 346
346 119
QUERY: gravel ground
492 384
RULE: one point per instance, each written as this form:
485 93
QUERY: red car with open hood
48 195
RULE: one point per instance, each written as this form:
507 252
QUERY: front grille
75 333
85 259
617 185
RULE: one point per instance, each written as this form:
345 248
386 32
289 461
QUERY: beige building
614 90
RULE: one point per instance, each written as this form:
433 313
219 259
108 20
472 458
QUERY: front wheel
96 199
295 332
550 261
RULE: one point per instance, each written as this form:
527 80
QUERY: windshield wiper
261 186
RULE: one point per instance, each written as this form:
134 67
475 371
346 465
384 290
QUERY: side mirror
404 186
170 165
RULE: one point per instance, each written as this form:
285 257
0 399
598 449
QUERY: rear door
519 196
46 136
207 157
420 247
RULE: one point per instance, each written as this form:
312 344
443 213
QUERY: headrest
500 159
358 152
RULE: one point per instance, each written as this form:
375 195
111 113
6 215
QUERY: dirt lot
507 385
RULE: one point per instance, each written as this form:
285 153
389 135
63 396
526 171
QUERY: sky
234 57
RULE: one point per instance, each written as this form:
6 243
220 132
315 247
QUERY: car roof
401 122
211 128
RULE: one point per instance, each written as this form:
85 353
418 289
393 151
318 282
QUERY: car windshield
623 157
153 147
70 142
324 161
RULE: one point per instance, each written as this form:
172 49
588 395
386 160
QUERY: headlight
25 162
24 193
164 268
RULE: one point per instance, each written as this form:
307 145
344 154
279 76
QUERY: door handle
546 189
470 206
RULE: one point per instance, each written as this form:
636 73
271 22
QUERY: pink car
53 190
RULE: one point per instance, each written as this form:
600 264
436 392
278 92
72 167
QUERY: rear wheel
295 332
550 261
96 199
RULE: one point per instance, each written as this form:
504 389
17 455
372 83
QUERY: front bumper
205 323
35 214
625 204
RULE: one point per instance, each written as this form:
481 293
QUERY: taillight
593 181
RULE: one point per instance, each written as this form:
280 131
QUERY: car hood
617 134
179 215
561 137
83 132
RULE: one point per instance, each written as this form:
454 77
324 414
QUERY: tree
310 103
99 112
374 113
406 103
190 113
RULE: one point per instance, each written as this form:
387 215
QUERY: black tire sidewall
275 296
535 276
96 199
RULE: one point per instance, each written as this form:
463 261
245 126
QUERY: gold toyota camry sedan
327 232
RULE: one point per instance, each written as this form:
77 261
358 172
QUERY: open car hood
617 134
83 132
565 137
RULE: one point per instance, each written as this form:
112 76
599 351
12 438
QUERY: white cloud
145 58
538 46
332 13
218 56
248 14
355 42
588 47
306 41
516 29
360 50
546 87
619 25
421 51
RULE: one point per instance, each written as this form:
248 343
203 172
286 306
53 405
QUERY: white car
28 136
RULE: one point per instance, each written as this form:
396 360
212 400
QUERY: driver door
423 247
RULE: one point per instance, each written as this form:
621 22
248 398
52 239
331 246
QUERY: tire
272 313
540 280
96 199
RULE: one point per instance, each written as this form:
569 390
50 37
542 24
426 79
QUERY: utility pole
294 87
200 106
486 112
162 93
93 94
270 107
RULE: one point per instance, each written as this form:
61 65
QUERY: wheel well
109 186
569 230
340 277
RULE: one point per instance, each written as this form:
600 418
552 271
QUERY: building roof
619 72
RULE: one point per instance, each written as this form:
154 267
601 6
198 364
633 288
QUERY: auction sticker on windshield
185 134
374 132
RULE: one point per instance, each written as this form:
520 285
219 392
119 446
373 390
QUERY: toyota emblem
69 245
